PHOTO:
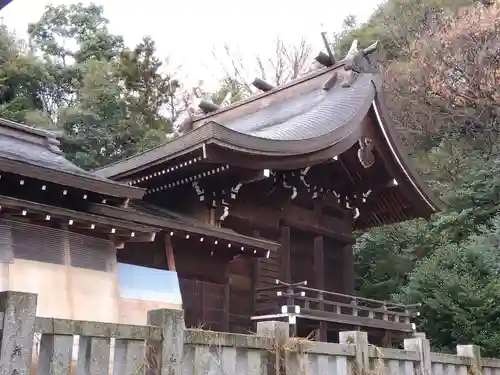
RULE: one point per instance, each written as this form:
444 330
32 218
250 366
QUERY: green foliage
451 263
111 101
396 24
82 27
459 288
92 124
384 257
147 89
22 77
229 85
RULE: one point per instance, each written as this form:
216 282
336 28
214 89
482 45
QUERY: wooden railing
336 307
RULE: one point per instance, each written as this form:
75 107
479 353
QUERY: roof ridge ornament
227 100
207 106
330 82
52 144
365 152
262 85
358 61
328 49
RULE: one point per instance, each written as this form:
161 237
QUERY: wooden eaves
88 221
162 220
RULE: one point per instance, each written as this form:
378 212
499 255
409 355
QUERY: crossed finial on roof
357 61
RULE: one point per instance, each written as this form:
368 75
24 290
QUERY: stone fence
166 347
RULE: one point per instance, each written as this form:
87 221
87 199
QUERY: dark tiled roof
35 153
4 3
310 114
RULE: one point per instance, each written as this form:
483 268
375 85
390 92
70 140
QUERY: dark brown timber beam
285 261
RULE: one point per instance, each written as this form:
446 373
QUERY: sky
202 27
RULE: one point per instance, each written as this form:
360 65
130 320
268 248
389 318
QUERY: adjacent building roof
4 3
76 219
35 153
146 214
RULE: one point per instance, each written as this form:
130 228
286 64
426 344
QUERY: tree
75 31
93 124
384 258
288 62
148 90
469 184
68 36
459 289
23 83
450 84
396 24
111 101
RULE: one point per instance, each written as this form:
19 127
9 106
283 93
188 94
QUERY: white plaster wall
76 293
63 291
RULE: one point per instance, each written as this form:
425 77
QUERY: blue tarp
148 284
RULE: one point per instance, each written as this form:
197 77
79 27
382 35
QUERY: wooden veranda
324 313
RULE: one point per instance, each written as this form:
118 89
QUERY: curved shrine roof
310 116
305 122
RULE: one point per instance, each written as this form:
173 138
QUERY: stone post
360 341
168 354
421 345
18 328
472 352
280 332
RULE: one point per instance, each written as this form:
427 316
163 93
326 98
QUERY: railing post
385 315
280 332
18 329
407 316
168 355
354 305
473 352
321 304
360 341
422 346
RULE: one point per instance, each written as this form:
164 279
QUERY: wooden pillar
169 251
319 263
285 258
227 302
319 279
256 276
348 270
227 305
